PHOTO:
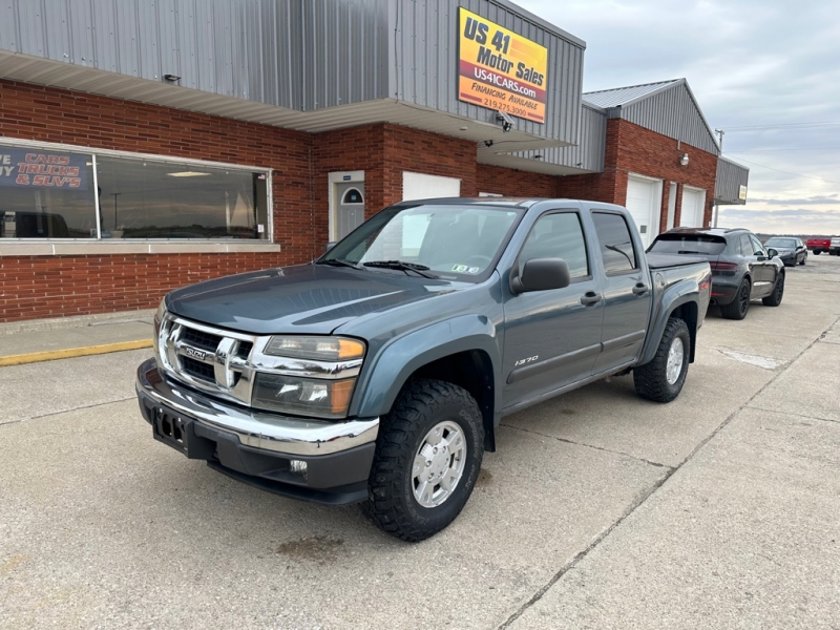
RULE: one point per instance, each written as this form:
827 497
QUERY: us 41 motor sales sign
500 69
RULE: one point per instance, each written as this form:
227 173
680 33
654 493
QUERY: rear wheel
428 455
775 298
737 308
662 378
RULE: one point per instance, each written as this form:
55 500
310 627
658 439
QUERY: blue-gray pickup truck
379 372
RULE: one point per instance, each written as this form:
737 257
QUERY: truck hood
310 298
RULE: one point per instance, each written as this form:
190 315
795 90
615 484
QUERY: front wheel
662 378
775 298
428 456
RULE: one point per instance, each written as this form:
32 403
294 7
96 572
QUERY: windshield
778 242
456 242
688 244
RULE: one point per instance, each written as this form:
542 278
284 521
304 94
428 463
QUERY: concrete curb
75 321
69 353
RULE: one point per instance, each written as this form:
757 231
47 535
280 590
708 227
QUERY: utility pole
719 133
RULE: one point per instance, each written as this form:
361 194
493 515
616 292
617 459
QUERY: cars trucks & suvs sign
34 168
500 69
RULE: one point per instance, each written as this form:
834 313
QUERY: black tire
422 407
817 252
775 298
802 262
737 308
662 378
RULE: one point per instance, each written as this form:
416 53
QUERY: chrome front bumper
255 429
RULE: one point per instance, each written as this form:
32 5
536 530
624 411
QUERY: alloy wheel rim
676 356
439 464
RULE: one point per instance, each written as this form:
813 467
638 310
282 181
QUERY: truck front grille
200 339
197 369
210 359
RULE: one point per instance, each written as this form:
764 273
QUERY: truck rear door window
617 249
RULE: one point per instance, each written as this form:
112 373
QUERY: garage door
422 186
644 197
693 203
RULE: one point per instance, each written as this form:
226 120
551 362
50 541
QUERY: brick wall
49 286
631 148
515 183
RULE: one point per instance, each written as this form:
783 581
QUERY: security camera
505 121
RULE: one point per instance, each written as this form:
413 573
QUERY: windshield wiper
339 262
401 265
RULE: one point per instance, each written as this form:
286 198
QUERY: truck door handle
640 289
590 298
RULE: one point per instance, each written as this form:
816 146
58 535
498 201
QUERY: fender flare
382 380
672 299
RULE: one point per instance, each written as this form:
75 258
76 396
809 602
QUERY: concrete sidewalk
66 337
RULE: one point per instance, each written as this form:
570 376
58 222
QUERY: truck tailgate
660 261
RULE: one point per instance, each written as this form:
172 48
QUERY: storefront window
46 194
49 193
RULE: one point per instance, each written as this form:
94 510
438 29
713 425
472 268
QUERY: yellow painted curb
69 353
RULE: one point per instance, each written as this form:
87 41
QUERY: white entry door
644 198
693 204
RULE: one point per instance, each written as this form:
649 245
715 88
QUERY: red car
818 245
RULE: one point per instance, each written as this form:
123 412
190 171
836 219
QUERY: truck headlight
317 380
321 398
315 348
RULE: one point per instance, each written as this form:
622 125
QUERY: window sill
32 247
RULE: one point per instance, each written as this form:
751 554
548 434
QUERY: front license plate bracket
178 431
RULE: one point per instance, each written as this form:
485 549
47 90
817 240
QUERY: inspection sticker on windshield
465 269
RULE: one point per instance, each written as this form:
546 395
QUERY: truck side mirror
541 274
772 253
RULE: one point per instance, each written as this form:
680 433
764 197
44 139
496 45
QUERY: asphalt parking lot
599 510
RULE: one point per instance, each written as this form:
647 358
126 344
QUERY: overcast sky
767 73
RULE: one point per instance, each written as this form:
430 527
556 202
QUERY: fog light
298 466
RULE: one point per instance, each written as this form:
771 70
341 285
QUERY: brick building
144 146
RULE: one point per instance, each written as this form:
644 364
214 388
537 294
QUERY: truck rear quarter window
617 249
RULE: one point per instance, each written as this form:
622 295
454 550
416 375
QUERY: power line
778 170
800 125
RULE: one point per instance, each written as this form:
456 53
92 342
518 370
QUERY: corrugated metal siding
622 95
243 48
672 113
588 154
730 178
344 52
425 62
303 55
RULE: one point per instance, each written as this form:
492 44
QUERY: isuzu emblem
199 355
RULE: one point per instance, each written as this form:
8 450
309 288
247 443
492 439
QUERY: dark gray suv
742 268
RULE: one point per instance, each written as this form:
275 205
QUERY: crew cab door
626 289
552 337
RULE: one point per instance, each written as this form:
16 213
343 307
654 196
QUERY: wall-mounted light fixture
171 78
684 159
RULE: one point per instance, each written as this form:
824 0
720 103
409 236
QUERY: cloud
766 73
